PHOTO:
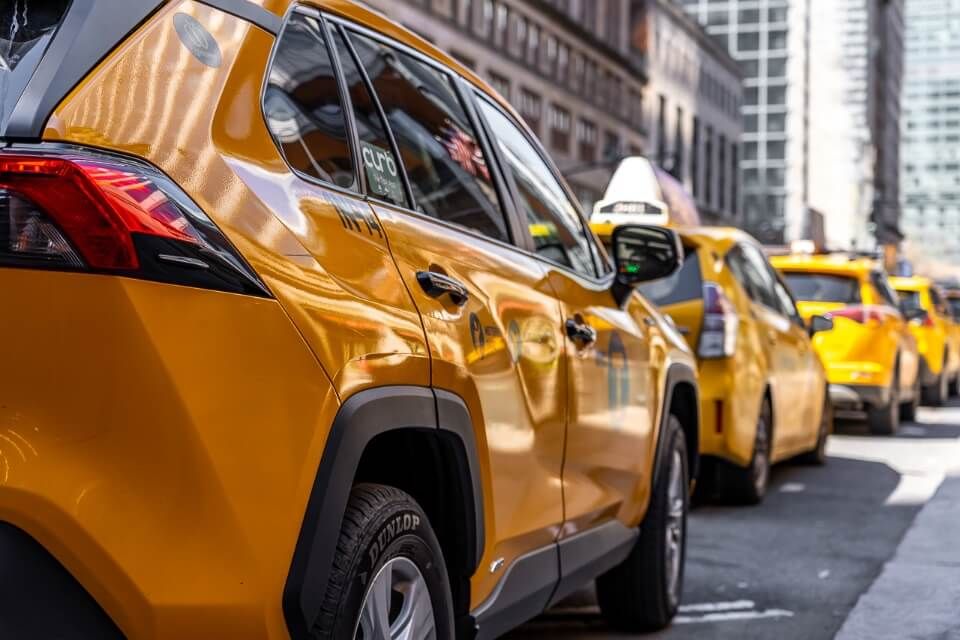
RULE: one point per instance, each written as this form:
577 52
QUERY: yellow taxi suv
952 295
870 354
762 388
307 338
932 326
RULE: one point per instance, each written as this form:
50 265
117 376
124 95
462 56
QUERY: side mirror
819 324
643 253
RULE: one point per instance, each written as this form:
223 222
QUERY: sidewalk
917 595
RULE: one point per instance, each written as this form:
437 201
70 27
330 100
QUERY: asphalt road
796 566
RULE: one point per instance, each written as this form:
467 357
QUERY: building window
748 41
563 64
559 122
722 173
662 132
734 179
678 155
501 84
708 167
502 22
531 108
587 140
533 44
695 157
486 19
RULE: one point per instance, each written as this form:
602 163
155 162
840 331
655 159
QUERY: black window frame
602 266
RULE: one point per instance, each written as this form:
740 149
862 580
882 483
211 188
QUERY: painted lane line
730 616
709 607
793 487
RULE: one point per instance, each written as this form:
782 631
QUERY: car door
783 351
491 320
610 399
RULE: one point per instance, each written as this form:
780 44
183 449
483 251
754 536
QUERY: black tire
935 394
818 455
382 525
908 410
748 485
953 389
643 593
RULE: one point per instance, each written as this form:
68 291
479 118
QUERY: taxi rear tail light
79 210
857 313
718 337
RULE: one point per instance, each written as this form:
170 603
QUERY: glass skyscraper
931 132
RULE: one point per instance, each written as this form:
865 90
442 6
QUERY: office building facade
931 132
693 104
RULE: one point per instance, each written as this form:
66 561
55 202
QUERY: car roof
911 283
830 263
376 21
720 239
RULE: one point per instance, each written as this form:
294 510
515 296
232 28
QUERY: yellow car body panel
236 396
936 338
857 353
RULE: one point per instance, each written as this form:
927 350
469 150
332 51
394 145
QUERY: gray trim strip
72 53
245 10
591 553
522 594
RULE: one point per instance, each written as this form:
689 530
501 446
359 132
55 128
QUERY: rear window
684 285
25 31
819 287
910 300
954 307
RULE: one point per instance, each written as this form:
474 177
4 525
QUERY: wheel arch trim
679 374
362 418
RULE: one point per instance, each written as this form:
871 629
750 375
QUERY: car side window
752 271
552 220
303 106
787 304
446 168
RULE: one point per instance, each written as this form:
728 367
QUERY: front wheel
748 485
388 579
643 592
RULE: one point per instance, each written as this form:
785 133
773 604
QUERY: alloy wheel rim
674 539
397 605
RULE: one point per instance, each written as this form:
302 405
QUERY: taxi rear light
75 209
718 336
861 314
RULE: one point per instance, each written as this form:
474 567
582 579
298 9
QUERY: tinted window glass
816 287
937 300
303 105
750 268
553 221
886 292
684 285
910 300
787 304
448 174
954 307
377 156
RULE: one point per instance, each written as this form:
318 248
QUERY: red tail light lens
857 313
76 209
718 336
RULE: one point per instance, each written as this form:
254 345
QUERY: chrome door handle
580 332
437 285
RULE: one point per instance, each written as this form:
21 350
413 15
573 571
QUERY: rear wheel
643 592
954 388
818 455
908 410
748 485
388 579
935 394
885 420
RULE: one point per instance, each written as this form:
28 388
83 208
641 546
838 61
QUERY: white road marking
824 574
793 487
710 607
729 616
914 489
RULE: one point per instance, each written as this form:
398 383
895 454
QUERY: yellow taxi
952 294
870 354
305 336
937 341
763 390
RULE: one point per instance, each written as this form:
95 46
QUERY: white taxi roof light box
640 192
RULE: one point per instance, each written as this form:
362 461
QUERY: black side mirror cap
819 324
643 253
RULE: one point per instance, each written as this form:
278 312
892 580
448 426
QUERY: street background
864 548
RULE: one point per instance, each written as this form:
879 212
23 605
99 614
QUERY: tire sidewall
398 532
677 443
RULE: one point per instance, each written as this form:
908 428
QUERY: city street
863 548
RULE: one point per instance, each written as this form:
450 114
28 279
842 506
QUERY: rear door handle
580 332
437 285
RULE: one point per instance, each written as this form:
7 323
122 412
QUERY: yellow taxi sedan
870 354
763 389
936 340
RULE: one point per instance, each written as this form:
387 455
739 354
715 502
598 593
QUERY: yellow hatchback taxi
936 339
763 390
305 337
870 354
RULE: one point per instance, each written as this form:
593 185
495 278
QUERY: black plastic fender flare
360 419
678 373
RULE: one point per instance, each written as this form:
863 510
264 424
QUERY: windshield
818 287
